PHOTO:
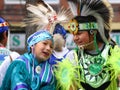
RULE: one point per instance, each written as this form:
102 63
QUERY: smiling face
83 38
43 50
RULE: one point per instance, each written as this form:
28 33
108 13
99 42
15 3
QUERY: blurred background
14 11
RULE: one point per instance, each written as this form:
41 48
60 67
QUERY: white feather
44 16
42 9
35 10
73 8
51 9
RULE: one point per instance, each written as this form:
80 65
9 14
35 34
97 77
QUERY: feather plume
63 16
73 9
114 62
100 9
38 15
43 16
67 75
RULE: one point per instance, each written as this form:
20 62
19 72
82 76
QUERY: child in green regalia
96 62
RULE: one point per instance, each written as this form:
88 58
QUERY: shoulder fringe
67 75
113 62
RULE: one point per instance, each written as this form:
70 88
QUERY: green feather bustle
67 75
113 62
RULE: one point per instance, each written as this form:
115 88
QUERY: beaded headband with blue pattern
38 36
3 25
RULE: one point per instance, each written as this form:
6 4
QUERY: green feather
114 61
67 75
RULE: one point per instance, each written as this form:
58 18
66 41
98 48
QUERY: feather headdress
101 10
45 17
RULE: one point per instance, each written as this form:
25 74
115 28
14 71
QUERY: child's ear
31 47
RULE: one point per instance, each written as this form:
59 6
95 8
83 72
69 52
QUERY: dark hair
1 35
99 38
83 19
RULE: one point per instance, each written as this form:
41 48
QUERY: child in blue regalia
31 71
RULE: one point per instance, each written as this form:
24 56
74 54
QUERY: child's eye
51 46
44 43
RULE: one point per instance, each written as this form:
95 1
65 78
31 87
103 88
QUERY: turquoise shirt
25 73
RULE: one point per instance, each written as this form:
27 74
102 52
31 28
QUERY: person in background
6 55
96 60
60 49
31 71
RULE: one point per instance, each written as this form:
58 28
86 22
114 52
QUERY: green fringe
113 65
20 67
67 75
114 62
113 85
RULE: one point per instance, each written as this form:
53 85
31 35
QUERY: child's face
43 50
82 38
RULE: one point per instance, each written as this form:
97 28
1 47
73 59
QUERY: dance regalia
3 53
26 73
58 56
7 61
92 71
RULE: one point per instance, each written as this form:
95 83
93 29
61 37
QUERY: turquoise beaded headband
88 26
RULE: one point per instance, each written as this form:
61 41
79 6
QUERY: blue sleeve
52 60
